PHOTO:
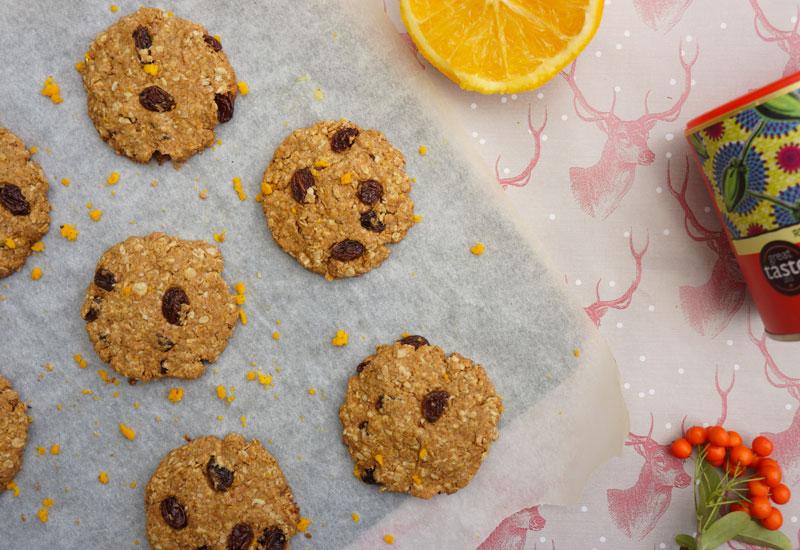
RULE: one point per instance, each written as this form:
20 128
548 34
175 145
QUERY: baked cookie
220 494
158 306
24 209
335 196
157 86
13 432
417 421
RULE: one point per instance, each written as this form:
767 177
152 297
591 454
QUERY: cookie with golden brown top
220 494
418 421
158 306
335 196
13 433
24 208
157 86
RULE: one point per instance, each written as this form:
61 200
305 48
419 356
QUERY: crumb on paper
51 90
43 515
243 421
418 218
34 149
303 524
66 182
355 517
423 150
175 395
55 449
203 194
78 358
276 335
312 391
388 539
477 249
576 352
264 379
79 66
242 316
219 237
41 450
319 95
132 484
113 178
13 487
240 287
69 232
36 273
244 89
237 186
251 375
128 432
114 8
103 478
95 215
340 339
38 246
221 392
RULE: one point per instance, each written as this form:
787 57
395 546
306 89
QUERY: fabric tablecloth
596 161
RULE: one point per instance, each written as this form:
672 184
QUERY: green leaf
785 107
686 541
734 184
757 535
724 529
697 142
709 483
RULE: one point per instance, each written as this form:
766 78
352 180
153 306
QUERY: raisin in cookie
158 306
157 86
13 433
220 494
418 421
335 196
24 209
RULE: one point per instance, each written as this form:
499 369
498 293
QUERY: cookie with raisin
24 208
158 306
157 86
220 494
418 421
335 196
13 433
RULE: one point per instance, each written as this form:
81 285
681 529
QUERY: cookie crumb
36 273
13 487
55 449
127 432
114 8
319 95
264 379
388 539
303 524
175 395
340 339
43 515
103 478
41 450
38 246
478 249
69 232
221 393
576 352
78 358
113 178
312 391
65 182
34 149
251 375
132 485
219 237
95 215
423 150
51 90
417 218
203 194
266 188
355 517
243 421
276 335
244 89
237 186
242 316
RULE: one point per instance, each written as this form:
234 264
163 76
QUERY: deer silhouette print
661 15
523 178
788 41
600 188
512 532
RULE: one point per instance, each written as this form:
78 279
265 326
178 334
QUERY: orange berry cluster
725 449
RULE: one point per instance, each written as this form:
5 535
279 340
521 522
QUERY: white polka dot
706 209
617 89
542 539
659 189
793 519
540 95
729 342
681 371
705 425
793 19
513 97
689 38
669 137
736 366
651 391
578 282
584 509
626 234
651 307
544 137
669 154
627 34
626 386
723 26
668 425
598 53
473 106
693 82
642 358
641 395
788 406
482 141
666 232
618 46
672 81
662 545
619 324
564 117
612 284
506 171
602 539
552 217
503 100
474 134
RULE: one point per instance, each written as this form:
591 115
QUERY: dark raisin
133 381
164 343
224 106
363 425
370 192
156 99
272 539
160 157
204 547
379 402
371 222
174 298
105 279
213 43
174 513
361 366
368 476
434 405
302 181
415 340
218 476
347 250
343 139
91 315
13 200
141 38
241 537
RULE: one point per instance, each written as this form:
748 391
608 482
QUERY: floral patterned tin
749 153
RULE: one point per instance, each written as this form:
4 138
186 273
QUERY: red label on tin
780 263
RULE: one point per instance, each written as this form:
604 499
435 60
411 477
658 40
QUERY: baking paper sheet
303 60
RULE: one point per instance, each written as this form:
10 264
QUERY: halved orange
501 46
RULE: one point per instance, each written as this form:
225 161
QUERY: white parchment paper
303 60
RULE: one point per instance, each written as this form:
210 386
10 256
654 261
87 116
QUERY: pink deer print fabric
596 163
